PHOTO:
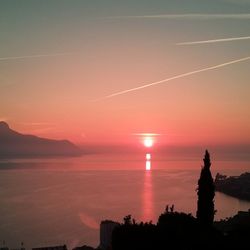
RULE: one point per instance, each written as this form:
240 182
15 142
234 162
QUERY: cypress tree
206 192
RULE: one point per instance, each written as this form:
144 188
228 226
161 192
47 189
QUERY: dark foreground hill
180 231
14 144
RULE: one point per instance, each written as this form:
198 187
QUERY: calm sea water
62 201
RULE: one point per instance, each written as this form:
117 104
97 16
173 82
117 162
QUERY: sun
148 142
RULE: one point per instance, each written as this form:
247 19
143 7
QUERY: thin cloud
230 39
147 134
32 56
44 130
37 123
187 16
4 119
174 78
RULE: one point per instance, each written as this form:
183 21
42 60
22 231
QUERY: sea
57 201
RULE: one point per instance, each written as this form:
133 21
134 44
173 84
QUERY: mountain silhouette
14 144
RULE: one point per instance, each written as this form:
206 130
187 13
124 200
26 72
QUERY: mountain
14 144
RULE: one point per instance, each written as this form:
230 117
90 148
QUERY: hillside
14 144
236 186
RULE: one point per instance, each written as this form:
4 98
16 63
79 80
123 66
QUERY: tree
206 192
127 220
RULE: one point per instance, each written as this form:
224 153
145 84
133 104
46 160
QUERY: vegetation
174 230
206 192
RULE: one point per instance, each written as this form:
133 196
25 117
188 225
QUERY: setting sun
148 142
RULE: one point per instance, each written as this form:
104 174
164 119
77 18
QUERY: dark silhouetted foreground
176 230
205 205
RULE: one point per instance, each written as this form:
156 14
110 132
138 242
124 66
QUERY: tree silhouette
127 219
206 192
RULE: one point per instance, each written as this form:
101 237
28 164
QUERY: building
106 230
64 247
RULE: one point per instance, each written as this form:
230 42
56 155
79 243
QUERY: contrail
173 78
215 40
33 56
188 16
147 134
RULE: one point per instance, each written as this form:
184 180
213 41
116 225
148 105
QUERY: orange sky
51 96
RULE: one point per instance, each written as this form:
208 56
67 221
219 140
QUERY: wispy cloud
37 123
40 128
32 56
147 134
189 16
44 130
174 78
230 39
3 119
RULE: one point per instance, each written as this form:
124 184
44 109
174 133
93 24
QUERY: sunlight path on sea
148 209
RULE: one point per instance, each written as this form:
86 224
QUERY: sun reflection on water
148 211
148 162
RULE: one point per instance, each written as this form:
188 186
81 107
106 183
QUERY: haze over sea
62 201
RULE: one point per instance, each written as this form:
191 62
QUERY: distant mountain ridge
14 144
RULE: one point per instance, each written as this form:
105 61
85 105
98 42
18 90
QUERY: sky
71 69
